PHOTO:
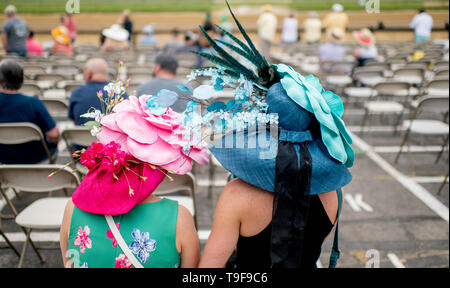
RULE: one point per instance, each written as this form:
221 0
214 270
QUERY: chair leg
8 201
443 185
442 150
404 140
25 246
364 122
9 243
17 193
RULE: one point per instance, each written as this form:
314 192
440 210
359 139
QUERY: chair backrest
31 89
392 88
181 184
410 75
139 69
441 65
34 178
433 104
441 74
438 87
78 136
140 77
368 76
56 107
32 70
50 77
383 65
20 133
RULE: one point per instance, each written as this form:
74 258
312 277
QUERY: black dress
254 252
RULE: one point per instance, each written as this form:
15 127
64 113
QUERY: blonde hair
10 10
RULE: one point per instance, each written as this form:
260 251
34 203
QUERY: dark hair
30 34
11 75
421 10
175 32
168 62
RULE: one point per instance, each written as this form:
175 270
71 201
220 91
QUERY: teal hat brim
256 166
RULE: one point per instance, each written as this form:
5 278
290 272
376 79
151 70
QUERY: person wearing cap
313 28
116 39
366 49
422 24
267 28
290 29
164 77
14 33
113 220
61 40
333 50
149 39
190 43
336 19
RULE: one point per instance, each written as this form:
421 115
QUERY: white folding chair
181 189
45 213
391 90
20 133
57 108
48 80
411 75
31 89
80 136
438 87
427 127
368 77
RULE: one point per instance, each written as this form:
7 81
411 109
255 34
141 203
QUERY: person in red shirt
71 25
33 46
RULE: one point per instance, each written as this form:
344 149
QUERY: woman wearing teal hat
288 194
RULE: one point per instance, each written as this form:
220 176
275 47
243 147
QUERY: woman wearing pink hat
366 49
113 220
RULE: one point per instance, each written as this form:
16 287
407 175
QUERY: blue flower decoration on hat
327 108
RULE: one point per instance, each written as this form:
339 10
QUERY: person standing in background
71 25
313 28
34 47
127 24
422 24
267 28
336 19
290 29
14 33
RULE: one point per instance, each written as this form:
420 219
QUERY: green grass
106 6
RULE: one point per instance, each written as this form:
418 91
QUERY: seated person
190 43
164 73
366 49
83 98
33 46
156 232
174 43
61 40
16 107
333 50
116 39
149 39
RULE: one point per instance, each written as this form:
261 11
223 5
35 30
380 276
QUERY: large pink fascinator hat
140 142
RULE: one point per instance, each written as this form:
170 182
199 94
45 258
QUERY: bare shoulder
243 191
184 215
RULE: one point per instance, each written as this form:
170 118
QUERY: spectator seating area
392 86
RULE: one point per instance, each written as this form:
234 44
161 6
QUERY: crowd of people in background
18 38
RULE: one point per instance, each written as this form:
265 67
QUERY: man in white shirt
267 28
422 25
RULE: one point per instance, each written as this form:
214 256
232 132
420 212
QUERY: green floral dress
148 229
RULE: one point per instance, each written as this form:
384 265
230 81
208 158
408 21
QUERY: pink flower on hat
149 137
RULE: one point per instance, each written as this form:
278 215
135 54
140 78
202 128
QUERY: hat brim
256 166
362 41
117 35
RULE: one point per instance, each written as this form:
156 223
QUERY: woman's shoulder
240 195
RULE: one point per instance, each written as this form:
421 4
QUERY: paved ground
389 219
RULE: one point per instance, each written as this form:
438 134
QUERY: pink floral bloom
82 240
122 262
110 235
149 137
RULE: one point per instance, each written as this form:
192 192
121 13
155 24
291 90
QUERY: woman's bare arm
188 244
64 234
225 230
